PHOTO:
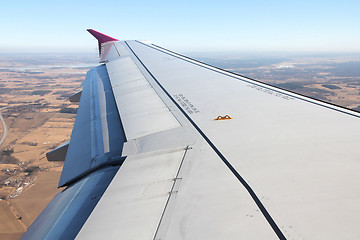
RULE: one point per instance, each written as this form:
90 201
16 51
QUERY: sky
182 26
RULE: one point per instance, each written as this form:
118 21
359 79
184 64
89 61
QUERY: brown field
10 226
34 98
33 200
334 78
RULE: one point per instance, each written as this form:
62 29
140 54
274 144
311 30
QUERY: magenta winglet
102 38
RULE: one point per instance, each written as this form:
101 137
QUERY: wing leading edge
267 172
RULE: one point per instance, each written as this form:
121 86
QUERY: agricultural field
36 117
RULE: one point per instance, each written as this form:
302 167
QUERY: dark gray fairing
59 153
76 97
92 160
68 211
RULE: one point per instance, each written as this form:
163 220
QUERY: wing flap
136 197
176 194
97 137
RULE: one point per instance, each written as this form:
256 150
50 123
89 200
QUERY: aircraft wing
166 147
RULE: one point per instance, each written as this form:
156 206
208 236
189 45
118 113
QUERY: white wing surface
209 154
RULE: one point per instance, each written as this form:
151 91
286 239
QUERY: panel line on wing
103 113
162 226
227 163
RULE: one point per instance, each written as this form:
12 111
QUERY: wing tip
102 38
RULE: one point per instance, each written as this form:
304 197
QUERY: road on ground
4 127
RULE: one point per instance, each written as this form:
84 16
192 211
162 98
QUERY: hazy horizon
185 26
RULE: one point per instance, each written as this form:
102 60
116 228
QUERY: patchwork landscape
333 78
37 117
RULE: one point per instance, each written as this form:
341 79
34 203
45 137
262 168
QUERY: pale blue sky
307 25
